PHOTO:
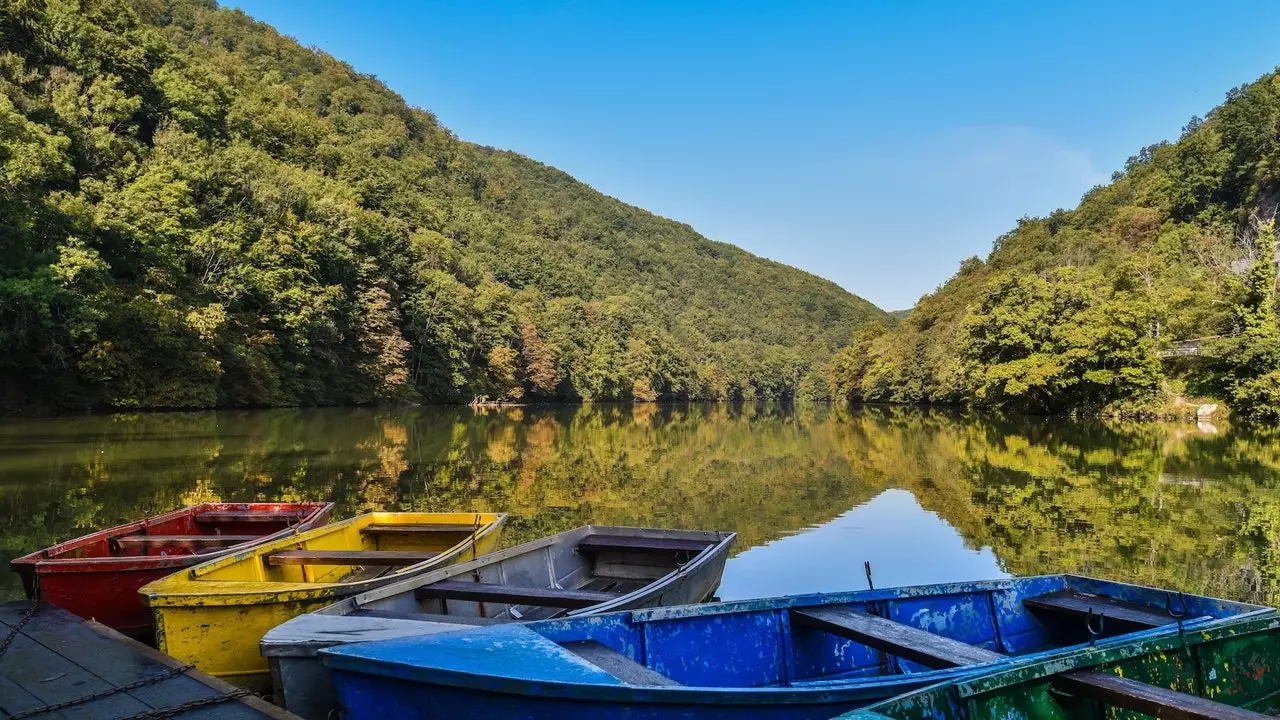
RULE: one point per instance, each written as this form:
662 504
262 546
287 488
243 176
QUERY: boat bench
388 529
618 665
174 540
349 557
918 646
1081 604
512 594
1148 699
223 516
627 543
426 617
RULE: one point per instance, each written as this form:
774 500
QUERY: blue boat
801 657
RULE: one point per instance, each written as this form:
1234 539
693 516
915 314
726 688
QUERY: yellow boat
215 614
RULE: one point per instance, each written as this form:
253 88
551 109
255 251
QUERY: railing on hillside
1191 347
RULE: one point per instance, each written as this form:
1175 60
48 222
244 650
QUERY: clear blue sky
875 144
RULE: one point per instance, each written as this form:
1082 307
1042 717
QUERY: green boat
1228 670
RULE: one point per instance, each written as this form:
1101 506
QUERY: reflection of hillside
1108 500
760 472
1145 502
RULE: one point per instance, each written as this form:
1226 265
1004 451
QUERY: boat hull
215 614
302 686
366 697
760 658
84 578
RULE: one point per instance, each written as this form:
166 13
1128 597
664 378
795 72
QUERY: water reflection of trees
1152 503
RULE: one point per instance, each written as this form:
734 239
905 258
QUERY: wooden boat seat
385 529
620 586
127 540
904 641
427 617
349 557
511 594
1148 699
222 516
1078 603
626 543
618 665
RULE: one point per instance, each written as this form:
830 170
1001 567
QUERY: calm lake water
811 491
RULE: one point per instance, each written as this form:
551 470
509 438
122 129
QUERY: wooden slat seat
280 516
1149 699
626 543
386 529
183 539
904 641
511 594
1080 604
349 557
618 665
427 617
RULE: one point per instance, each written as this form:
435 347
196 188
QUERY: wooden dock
59 667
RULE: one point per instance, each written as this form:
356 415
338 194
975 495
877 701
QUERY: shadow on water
926 496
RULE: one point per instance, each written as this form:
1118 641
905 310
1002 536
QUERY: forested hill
197 211
1071 311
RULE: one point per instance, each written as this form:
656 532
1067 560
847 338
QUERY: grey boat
585 571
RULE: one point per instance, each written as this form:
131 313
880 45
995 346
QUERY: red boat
97 576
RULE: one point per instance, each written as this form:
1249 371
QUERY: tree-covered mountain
197 211
1070 312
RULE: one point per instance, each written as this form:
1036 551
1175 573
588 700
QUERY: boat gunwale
659 614
41 563
879 688
188 590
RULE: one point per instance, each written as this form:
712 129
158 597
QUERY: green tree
1247 365
1061 342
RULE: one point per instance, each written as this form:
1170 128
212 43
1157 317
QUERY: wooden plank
177 540
512 594
388 529
1080 604
904 641
1150 699
219 516
349 557
620 586
427 617
618 665
629 543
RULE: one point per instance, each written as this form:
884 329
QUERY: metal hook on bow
1088 624
1178 616
1168 605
